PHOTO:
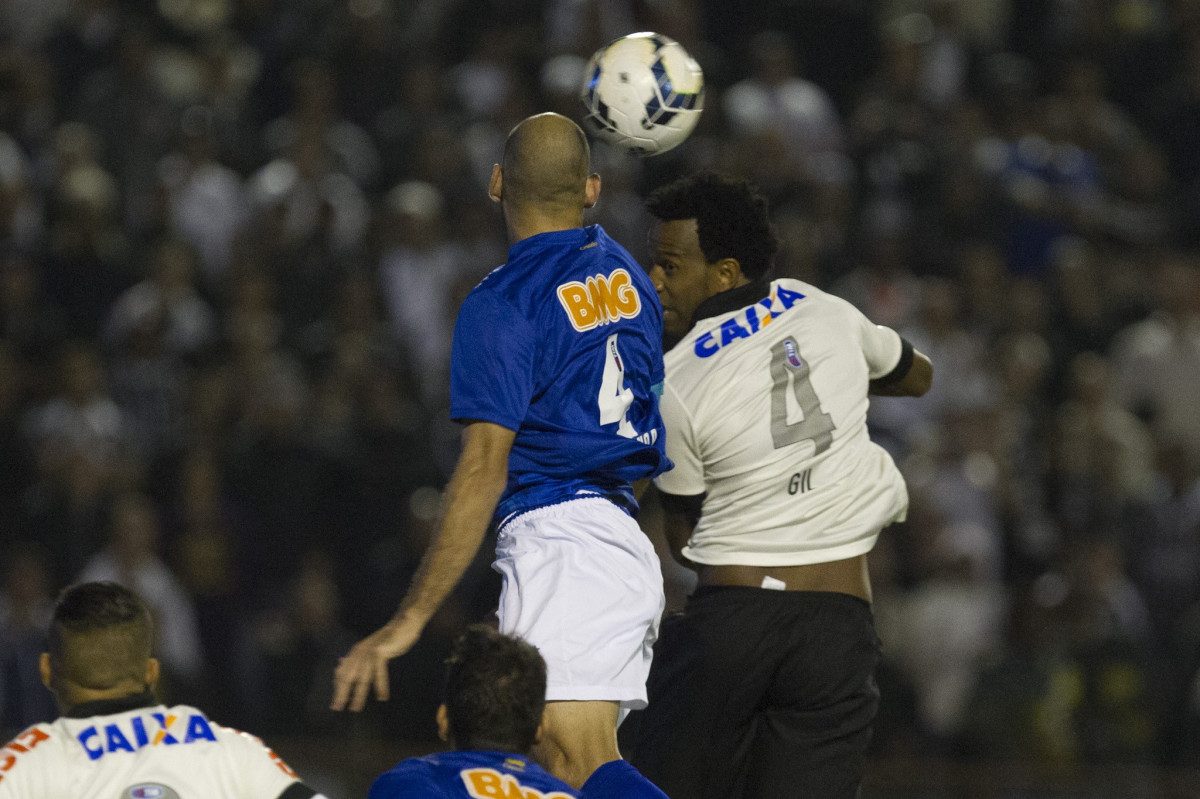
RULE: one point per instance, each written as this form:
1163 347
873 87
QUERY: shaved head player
555 369
114 739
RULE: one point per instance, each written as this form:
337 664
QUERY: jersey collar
726 301
577 235
107 707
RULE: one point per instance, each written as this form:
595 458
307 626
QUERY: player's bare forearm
915 382
475 488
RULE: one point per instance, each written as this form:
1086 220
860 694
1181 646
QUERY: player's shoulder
816 295
231 736
40 738
32 758
788 291
414 777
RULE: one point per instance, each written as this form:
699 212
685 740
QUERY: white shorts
582 583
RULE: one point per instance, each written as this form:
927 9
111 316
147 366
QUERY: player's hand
367 662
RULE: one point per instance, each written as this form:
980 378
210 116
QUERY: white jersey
153 752
765 403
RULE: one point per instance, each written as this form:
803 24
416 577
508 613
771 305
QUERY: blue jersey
469 774
618 779
563 344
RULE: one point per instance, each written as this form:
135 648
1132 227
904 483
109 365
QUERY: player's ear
591 191
153 671
496 184
537 735
443 723
45 670
728 274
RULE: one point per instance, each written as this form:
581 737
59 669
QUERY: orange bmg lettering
603 299
486 783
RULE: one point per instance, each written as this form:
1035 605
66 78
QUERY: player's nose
656 277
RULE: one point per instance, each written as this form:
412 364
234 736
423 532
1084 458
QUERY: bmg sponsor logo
600 300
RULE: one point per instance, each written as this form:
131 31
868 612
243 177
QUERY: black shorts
759 693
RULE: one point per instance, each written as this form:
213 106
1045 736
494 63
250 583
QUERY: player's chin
673 324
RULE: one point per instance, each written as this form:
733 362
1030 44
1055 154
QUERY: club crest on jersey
600 300
748 322
793 357
149 790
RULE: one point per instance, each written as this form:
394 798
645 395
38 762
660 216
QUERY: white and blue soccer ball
643 93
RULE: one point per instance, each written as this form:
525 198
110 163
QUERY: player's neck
72 698
521 226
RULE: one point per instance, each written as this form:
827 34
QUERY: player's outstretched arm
475 488
914 383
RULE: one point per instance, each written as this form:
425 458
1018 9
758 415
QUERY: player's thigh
712 667
812 738
577 738
581 726
583 585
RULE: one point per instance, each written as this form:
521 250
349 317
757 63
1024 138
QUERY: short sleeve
260 772
881 347
687 476
26 770
491 362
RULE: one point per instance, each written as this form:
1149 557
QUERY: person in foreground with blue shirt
555 369
495 696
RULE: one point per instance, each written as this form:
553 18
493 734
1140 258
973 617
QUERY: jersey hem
807 558
517 514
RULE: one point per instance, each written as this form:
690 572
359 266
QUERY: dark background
234 233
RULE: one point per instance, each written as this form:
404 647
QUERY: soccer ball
643 93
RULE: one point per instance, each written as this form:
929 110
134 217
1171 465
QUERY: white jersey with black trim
765 404
150 752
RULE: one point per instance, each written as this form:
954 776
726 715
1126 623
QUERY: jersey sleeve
27 770
687 476
881 347
491 362
259 771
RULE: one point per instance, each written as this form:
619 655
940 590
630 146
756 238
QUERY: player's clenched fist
367 662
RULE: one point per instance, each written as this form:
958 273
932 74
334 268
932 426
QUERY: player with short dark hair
114 739
495 696
555 368
100 636
495 692
764 685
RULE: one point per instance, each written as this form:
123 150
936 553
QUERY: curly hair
732 219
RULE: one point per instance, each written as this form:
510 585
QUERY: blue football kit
563 344
475 774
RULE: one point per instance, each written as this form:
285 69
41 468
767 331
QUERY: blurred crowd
234 235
